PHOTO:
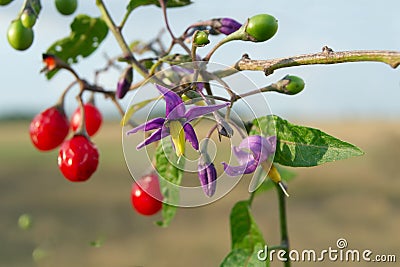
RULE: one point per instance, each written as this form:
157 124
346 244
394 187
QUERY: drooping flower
176 122
259 149
253 151
228 26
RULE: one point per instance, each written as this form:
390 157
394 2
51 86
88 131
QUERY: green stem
231 37
120 39
327 56
283 223
82 125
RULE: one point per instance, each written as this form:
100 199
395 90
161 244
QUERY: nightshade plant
268 143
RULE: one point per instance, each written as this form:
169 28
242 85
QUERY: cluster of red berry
78 156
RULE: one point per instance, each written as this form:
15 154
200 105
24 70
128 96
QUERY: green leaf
300 146
134 108
170 3
86 35
268 184
244 257
171 173
246 237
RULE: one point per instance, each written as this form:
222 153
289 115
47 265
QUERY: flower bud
294 85
228 26
124 83
207 175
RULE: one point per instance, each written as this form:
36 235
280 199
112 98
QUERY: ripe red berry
49 129
146 195
78 158
93 119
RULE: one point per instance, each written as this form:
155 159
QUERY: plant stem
120 39
327 56
283 223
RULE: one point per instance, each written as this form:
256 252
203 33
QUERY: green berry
25 221
28 19
66 7
201 38
18 36
262 27
5 2
295 85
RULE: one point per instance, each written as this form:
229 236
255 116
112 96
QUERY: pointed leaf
170 3
169 172
86 35
244 257
134 108
300 146
246 237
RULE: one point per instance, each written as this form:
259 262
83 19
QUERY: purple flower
228 26
207 175
176 122
124 82
250 153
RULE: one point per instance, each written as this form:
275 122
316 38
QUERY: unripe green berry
18 36
262 27
295 85
5 2
66 7
201 38
28 19
25 221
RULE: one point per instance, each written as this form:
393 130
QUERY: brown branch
327 56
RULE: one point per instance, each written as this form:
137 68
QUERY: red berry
49 129
146 195
78 158
93 119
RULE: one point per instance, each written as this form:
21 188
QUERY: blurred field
357 199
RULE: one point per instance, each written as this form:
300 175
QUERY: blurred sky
360 90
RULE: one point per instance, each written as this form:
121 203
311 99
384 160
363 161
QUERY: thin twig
327 56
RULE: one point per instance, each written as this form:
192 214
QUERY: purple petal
242 156
249 167
173 102
190 135
200 86
229 26
152 138
148 125
261 147
176 113
197 111
179 69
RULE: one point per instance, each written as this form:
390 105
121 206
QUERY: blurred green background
93 224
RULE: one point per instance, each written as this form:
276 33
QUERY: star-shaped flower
176 122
